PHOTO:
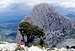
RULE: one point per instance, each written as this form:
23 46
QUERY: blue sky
19 8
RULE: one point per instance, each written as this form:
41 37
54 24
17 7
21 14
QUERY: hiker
22 44
21 40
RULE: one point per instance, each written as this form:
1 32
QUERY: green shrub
28 30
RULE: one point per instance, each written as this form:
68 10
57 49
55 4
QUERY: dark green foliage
41 42
31 31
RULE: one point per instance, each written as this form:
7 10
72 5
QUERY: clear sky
20 7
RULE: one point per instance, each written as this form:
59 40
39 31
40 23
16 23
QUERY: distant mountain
12 37
56 26
71 15
8 28
13 34
69 12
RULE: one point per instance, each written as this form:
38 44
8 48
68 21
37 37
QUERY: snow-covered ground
8 46
12 46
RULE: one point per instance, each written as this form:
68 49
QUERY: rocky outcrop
56 26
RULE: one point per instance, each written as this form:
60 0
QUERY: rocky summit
57 27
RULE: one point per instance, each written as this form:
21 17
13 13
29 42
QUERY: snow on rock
35 48
8 46
12 47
